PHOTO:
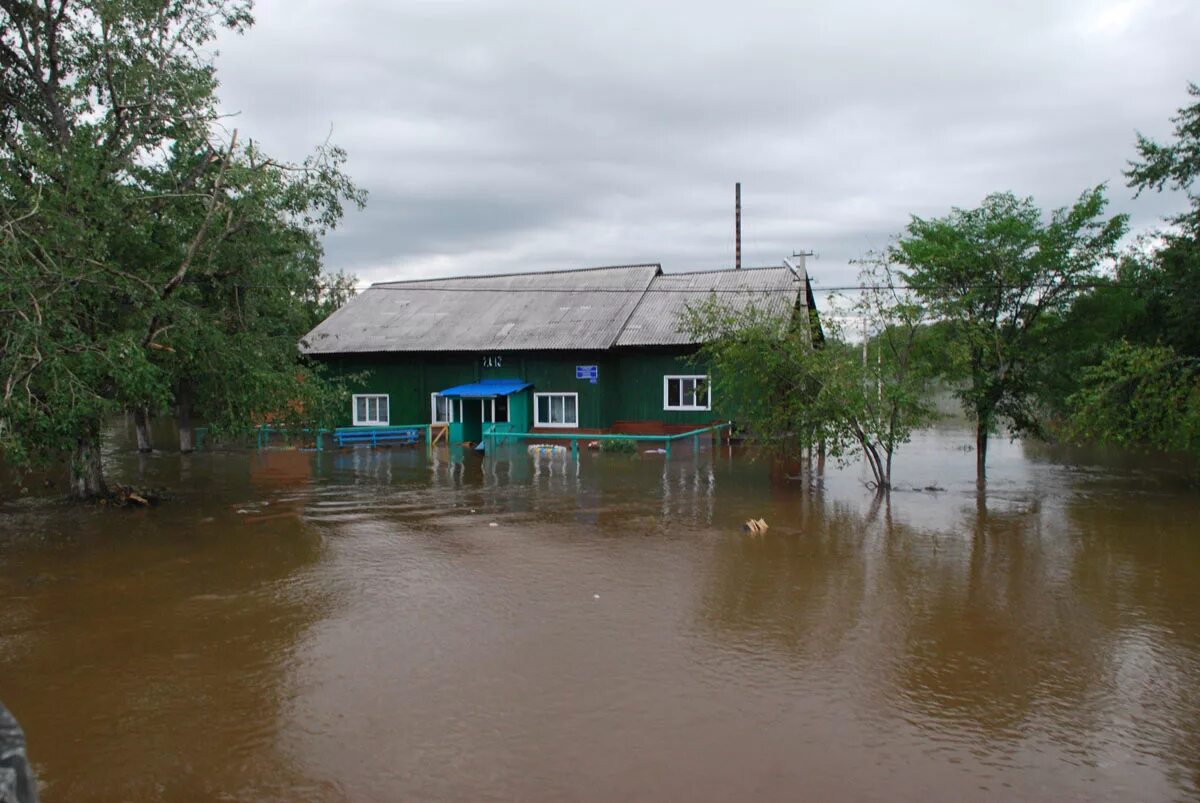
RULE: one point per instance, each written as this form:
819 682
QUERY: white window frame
550 425
667 387
433 397
376 422
490 418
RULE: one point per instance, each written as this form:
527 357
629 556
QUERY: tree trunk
141 422
87 468
981 444
871 455
185 420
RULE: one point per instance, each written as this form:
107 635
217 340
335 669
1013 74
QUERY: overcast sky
505 136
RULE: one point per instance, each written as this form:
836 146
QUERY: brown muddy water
350 626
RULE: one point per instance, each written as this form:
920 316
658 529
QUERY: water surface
351 626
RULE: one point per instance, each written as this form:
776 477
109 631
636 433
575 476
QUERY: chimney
737 225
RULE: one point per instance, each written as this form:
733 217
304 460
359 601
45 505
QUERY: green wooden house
574 351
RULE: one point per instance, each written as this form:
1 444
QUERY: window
370 411
556 409
495 410
442 408
686 393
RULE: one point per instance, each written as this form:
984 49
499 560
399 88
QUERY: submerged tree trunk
87 468
185 419
141 422
874 461
981 444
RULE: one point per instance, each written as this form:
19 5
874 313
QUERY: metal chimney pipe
737 225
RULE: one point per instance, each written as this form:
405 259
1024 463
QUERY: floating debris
126 495
755 526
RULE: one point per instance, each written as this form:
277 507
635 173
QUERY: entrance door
473 418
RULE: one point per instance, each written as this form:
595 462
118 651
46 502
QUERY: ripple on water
362 632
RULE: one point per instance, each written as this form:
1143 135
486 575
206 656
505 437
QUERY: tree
793 396
1175 164
895 340
1170 282
1141 396
1079 336
135 233
992 274
229 336
1144 391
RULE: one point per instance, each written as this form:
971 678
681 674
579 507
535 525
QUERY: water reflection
377 625
149 660
1029 634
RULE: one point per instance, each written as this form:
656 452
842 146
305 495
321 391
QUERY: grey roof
592 308
657 321
579 309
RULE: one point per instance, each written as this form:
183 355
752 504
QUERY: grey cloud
508 136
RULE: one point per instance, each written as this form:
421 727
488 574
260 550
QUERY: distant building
591 350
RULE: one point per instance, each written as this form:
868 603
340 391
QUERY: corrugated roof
485 389
657 320
579 309
588 309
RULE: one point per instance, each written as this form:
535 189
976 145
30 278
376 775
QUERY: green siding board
641 398
629 385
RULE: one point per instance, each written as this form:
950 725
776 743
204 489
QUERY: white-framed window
441 408
687 393
495 410
370 409
556 409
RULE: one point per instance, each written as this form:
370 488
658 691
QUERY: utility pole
737 226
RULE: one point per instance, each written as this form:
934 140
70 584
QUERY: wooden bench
348 436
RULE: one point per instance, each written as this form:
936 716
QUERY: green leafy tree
144 252
1141 396
993 274
1078 337
1144 390
793 395
1170 280
227 338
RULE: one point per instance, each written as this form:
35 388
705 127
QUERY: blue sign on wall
591 372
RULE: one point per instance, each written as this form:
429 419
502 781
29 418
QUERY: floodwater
378 626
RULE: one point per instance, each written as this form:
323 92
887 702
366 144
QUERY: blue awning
485 389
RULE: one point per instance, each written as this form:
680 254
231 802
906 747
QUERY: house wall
629 388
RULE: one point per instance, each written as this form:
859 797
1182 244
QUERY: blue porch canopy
485 389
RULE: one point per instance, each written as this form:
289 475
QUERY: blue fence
403 435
